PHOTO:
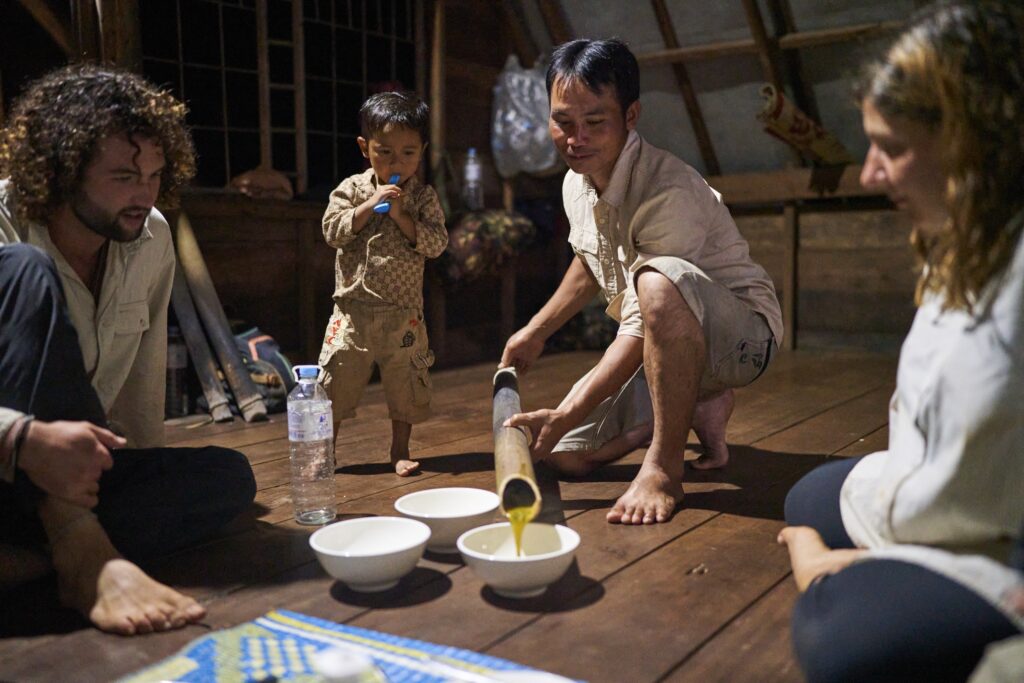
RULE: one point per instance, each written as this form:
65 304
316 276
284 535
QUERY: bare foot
113 593
582 463
404 467
810 557
710 418
652 497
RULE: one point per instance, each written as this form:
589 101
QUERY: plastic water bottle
311 437
472 182
176 396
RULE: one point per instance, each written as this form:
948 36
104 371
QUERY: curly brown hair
959 69
54 126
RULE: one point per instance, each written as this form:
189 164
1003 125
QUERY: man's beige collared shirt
378 264
657 205
123 336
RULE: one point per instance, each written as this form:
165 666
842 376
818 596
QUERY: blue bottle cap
306 371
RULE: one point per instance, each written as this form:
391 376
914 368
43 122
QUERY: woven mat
279 646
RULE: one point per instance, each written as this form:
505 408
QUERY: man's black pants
153 500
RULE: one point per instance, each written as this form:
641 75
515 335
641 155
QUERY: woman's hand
811 558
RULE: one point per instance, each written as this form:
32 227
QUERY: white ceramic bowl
490 551
370 554
449 512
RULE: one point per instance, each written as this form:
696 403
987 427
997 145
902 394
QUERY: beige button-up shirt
378 264
657 205
123 336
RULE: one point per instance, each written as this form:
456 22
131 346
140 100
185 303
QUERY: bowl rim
572 535
421 515
374 519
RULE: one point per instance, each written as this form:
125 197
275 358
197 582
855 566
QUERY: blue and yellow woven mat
280 645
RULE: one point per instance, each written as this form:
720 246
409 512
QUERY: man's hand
546 426
66 459
522 349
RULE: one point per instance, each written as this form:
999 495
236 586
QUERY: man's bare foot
652 497
20 565
404 467
582 463
811 558
113 593
710 418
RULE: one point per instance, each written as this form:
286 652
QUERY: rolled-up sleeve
431 234
341 208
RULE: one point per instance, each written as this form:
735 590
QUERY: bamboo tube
513 466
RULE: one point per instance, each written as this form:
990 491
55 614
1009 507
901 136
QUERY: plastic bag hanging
519 129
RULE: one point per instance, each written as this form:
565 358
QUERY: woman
904 556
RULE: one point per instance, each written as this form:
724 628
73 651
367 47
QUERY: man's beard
101 221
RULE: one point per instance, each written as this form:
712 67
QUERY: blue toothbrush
385 206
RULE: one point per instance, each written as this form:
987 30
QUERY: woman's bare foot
653 495
811 558
710 419
113 593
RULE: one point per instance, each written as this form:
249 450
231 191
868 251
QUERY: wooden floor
705 597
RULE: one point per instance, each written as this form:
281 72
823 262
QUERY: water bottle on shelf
472 182
311 438
176 396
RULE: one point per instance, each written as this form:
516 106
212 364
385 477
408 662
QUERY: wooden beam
55 25
790 283
263 80
700 129
299 77
85 24
767 50
120 33
828 36
525 47
793 41
437 73
792 64
790 184
555 21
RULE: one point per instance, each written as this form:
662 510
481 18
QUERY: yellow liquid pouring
518 518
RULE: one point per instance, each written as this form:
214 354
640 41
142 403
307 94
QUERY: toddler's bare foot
405 467
710 418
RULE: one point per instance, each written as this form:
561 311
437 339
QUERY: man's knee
665 312
234 475
26 263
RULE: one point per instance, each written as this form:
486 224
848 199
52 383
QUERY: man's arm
576 289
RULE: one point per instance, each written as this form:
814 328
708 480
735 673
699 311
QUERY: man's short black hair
386 110
597 63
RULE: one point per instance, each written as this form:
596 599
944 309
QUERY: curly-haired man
86 266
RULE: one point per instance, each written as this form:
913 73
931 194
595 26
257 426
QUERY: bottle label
315 426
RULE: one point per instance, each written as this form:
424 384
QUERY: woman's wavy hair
959 69
54 126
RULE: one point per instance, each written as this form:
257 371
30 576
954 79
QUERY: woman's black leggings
882 620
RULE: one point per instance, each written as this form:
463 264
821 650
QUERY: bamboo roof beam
700 129
555 21
792 64
53 23
526 48
792 41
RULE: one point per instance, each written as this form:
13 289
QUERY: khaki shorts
739 346
359 335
